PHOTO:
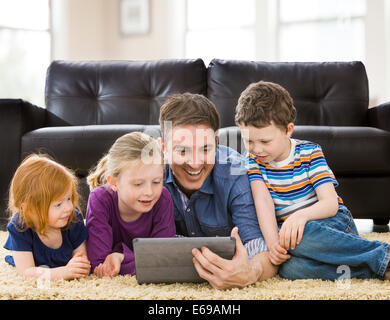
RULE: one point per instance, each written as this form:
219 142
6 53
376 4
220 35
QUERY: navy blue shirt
224 201
28 240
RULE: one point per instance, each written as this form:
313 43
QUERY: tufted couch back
132 92
327 94
117 92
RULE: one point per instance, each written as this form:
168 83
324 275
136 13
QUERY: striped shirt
292 182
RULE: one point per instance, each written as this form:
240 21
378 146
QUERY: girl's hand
292 230
277 254
111 265
78 267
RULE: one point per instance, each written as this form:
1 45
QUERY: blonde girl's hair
135 146
37 182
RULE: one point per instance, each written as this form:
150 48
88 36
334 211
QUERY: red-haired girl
46 228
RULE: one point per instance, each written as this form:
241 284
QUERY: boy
309 231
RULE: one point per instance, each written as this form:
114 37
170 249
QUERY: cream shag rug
13 286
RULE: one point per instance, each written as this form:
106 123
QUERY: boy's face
191 151
268 144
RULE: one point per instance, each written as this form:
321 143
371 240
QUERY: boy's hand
277 254
111 265
292 230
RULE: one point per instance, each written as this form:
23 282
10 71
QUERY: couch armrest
379 116
16 118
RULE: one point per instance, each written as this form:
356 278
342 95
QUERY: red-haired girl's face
60 211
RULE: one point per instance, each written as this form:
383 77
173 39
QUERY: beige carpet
125 287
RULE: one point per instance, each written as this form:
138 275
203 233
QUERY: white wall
89 30
385 93
78 29
377 50
159 43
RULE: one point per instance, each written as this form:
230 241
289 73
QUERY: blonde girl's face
139 187
60 210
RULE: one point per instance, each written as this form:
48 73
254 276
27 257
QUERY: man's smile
193 172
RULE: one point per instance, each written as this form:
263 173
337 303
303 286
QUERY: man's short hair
262 103
188 108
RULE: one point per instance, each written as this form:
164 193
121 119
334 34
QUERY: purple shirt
109 233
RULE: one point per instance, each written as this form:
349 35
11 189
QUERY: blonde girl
46 228
127 201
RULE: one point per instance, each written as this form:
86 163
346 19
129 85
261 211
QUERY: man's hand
292 230
224 274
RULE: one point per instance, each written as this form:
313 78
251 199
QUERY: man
211 192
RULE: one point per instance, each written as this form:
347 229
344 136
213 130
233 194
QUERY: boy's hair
188 108
38 182
262 103
129 147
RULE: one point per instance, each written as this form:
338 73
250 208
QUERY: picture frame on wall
133 17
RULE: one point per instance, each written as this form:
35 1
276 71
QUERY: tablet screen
169 260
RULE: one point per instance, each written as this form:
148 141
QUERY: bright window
25 47
317 30
220 29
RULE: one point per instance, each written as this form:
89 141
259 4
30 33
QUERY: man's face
191 152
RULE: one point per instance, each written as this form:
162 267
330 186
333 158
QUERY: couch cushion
326 93
349 150
117 92
79 147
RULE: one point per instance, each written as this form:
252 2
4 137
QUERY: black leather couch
89 104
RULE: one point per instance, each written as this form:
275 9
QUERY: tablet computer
169 260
